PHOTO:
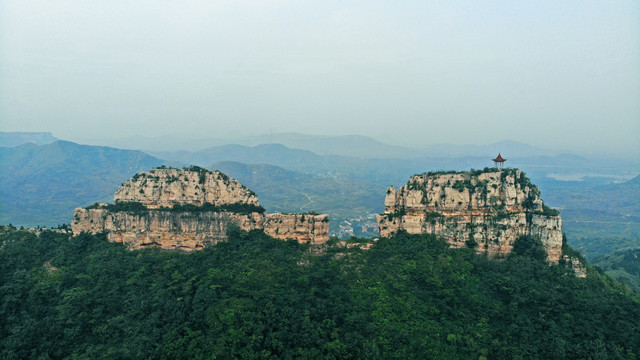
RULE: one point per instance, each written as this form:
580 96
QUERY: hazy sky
563 74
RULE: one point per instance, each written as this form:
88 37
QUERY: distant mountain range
397 170
383 172
281 190
11 139
347 145
42 184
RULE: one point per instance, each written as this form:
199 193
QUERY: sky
557 74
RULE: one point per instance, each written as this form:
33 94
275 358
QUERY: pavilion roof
499 158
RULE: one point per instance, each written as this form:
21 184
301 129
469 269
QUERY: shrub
530 246
471 243
459 185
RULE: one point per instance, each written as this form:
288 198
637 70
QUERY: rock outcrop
301 227
163 187
575 265
189 209
164 229
487 210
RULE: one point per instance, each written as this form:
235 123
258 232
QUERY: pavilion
499 161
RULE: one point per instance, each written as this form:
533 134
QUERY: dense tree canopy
255 297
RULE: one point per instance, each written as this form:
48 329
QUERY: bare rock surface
301 227
487 210
190 209
168 187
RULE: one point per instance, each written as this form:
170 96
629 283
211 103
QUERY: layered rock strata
300 227
164 229
487 210
164 187
188 210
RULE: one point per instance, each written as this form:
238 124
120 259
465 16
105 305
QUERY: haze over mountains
346 145
41 184
289 191
10 139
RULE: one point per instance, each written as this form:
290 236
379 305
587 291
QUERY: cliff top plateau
483 209
189 209
167 187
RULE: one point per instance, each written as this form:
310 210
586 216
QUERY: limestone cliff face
301 227
484 209
164 229
169 187
146 212
575 265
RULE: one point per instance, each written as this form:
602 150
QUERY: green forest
623 266
254 297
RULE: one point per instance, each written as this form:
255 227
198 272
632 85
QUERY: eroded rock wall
152 223
164 229
461 192
485 210
300 227
169 187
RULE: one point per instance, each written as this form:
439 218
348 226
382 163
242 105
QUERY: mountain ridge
16 138
360 146
40 184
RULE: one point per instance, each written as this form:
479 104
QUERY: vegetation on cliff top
472 172
473 185
137 208
257 297
202 174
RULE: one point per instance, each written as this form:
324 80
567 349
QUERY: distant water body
615 178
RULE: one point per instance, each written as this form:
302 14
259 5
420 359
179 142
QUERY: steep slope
190 209
407 297
168 187
42 184
488 210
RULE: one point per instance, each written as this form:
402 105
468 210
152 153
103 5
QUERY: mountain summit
488 210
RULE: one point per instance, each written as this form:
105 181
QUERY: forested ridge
409 296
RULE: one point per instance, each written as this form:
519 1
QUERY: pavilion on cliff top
499 161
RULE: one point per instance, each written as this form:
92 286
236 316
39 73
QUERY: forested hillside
255 297
42 184
623 266
600 218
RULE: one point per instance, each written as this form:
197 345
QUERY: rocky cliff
189 209
164 229
301 227
487 210
164 187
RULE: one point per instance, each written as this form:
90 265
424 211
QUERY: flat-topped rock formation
189 209
301 227
164 229
487 210
164 187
